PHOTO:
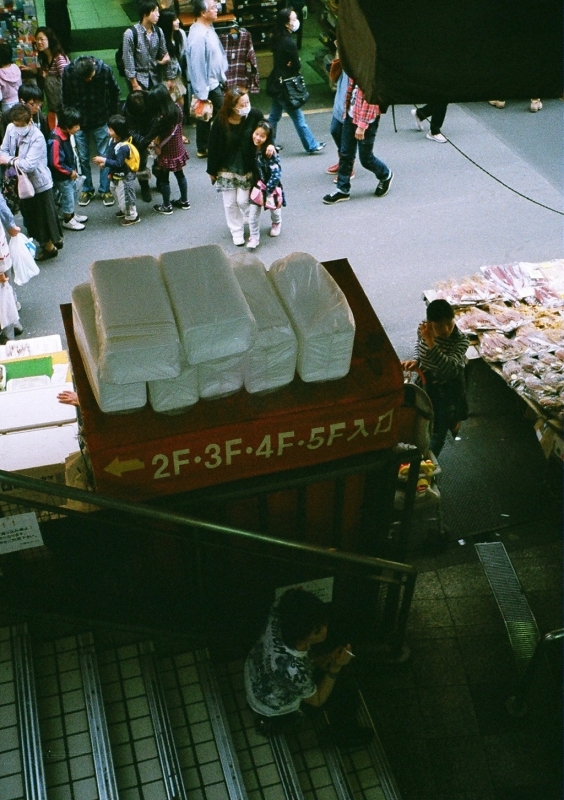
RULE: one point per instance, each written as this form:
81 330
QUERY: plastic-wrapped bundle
320 314
174 394
271 361
221 377
212 314
109 396
137 334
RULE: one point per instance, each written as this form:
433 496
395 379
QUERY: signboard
19 532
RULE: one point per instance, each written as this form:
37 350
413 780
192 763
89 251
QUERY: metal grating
519 620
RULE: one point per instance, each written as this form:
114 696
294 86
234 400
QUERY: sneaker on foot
133 221
437 137
497 103
418 122
253 243
184 204
351 177
160 209
275 229
108 199
333 169
146 194
80 218
384 186
85 198
317 149
336 197
120 214
73 225
239 241
536 105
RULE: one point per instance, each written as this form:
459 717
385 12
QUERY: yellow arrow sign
118 467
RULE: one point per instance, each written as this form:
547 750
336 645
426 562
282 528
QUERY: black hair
68 117
20 113
280 31
136 104
174 39
269 130
30 91
300 614
84 67
161 104
199 7
5 54
119 125
440 311
55 47
146 7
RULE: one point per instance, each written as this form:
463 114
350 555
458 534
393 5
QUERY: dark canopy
416 51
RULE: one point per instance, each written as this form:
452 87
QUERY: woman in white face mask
231 157
287 65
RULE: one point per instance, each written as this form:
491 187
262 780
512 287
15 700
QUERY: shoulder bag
294 91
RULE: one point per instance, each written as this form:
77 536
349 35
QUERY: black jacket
220 143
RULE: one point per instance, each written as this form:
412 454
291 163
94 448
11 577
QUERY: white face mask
243 110
295 25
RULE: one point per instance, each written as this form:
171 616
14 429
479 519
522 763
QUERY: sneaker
202 153
318 149
85 198
351 178
73 225
146 195
133 221
536 105
238 241
275 229
384 186
108 199
437 137
253 243
497 103
18 330
120 214
80 218
160 209
333 169
336 197
184 204
418 122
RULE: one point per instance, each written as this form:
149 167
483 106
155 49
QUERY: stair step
63 721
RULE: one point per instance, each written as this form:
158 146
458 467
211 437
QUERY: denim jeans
307 138
365 146
101 140
336 131
65 195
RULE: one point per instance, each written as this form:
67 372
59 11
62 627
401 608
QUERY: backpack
133 161
120 64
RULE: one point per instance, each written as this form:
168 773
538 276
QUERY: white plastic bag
8 308
22 251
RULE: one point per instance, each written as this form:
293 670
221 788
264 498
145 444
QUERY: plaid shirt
240 53
363 113
142 62
96 99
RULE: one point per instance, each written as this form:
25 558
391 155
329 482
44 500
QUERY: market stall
514 315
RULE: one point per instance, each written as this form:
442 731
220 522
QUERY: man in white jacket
207 65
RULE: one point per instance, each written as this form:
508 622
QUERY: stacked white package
175 394
221 377
213 317
271 361
109 396
137 335
320 314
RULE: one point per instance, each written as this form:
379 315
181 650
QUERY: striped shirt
446 360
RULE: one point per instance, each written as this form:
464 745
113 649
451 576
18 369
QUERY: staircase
80 723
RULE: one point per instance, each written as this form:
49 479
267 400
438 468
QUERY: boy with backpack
64 169
122 161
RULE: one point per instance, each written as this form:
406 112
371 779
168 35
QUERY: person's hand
14 231
135 86
359 133
164 60
409 365
4 159
99 160
270 150
68 398
3 277
74 175
339 658
426 333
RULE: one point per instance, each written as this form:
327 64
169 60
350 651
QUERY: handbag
10 190
294 91
201 109
257 194
25 186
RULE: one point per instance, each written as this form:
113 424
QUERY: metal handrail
10 479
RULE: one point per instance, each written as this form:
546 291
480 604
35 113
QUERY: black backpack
120 64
